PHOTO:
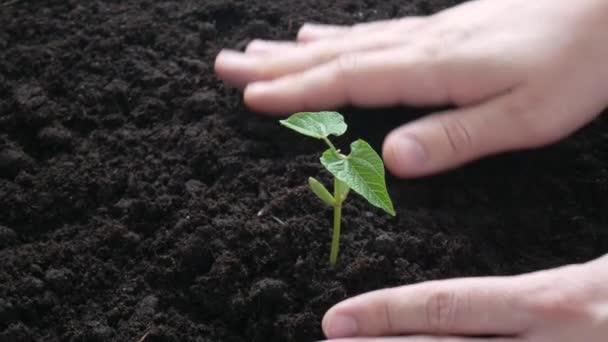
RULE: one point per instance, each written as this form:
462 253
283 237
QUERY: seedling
362 170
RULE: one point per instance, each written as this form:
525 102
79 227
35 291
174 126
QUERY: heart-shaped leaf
317 125
363 171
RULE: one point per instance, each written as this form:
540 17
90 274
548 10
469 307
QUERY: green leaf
363 171
321 192
317 125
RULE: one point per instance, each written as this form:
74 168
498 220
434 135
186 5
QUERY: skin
520 74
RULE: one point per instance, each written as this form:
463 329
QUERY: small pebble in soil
199 104
55 137
99 332
36 270
35 109
12 161
194 187
194 64
59 279
131 207
131 238
190 41
114 120
167 92
16 332
25 179
159 318
29 97
114 315
149 109
116 87
207 32
258 28
7 237
149 76
196 255
30 285
147 307
7 311
269 292
47 301
384 243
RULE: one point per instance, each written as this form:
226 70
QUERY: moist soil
141 201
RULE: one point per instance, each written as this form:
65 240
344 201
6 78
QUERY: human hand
521 73
561 305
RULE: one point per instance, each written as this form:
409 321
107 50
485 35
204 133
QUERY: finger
422 338
361 79
315 32
240 68
528 116
389 77
310 32
469 307
452 138
259 46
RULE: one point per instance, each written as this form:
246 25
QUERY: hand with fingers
567 304
521 73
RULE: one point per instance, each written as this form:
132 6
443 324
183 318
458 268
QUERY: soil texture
141 201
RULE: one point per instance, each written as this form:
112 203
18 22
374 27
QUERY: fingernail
258 88
312 30
258 45
311 27
409 152
342 326
233 59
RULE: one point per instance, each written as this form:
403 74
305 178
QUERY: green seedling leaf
321 192
363 171
318 125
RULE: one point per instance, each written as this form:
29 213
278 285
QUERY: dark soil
131 184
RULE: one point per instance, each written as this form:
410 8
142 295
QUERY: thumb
451 138
466 306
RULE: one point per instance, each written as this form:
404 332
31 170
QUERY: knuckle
389 316
456 132
560 300
436 45
344 70
432 50
341 71
252 45
265 71
525 113
458 35
442 41
347 63
441 310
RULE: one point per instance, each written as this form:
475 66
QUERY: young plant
361 170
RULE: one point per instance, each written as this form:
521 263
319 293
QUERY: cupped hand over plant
568 304
521 74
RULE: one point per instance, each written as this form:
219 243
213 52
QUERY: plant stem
335 242
328 142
